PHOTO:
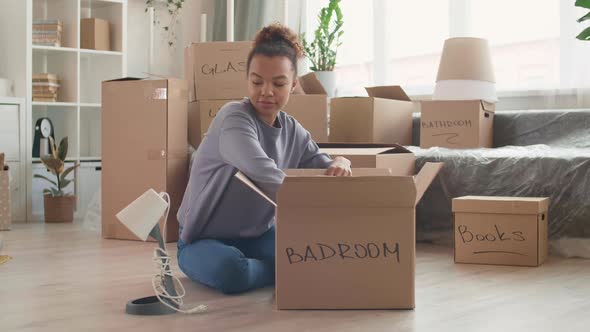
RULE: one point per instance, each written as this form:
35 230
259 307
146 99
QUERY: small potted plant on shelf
585 34
323 48
172 9
59 206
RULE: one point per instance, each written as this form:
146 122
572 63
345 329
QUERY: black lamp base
147 306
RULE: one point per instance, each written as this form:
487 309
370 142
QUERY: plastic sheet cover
560 173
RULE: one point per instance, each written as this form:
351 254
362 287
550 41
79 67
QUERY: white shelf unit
77 112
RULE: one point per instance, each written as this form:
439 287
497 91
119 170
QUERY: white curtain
249 17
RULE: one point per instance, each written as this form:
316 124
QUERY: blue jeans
231 266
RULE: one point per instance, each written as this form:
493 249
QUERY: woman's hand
339 167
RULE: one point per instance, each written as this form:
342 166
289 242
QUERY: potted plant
585 34
323 49
170 7
59 206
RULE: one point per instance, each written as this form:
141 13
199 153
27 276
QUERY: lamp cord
162 261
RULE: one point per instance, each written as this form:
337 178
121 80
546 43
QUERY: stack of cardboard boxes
144 125
216 75
309 106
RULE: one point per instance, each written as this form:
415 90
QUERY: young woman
227 238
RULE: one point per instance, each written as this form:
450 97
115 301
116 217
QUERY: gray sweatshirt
215 203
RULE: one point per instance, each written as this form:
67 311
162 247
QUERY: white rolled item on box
465 90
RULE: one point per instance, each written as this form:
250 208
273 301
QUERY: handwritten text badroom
344 251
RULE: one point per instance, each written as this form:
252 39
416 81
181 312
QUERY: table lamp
465 71
142 218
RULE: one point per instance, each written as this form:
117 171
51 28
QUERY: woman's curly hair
277 40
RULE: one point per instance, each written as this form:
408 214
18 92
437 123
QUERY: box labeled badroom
383 117
347 242
216 70
309 106
144 145
459 124
397 158
500 230
200 115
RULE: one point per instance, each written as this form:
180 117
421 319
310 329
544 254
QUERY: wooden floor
65 278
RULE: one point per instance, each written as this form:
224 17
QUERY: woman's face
270 81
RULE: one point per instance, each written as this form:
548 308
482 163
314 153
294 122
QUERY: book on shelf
40 99
43 77
49 21
47 27
45 88
54 44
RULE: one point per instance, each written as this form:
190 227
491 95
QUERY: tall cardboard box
216 70
383 117
5 213
398 159
144 145
200 115
95 34
309 105
459 124
347 242
501 230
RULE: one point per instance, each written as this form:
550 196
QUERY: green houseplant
170 7
323 48
585 34
58 206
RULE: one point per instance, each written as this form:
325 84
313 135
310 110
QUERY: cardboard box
400 160
500 230
200 115
347 242
216 70
5 213
309 105
95 34
383 117
459 124
144 145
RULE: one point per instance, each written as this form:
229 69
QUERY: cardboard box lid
394 92
157 88
501 205
362 149
373 187
127 78
309 85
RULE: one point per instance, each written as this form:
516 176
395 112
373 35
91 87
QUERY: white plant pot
328 80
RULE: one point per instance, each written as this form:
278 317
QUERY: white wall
167 61
13 43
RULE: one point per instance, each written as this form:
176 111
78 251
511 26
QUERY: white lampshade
465 71
143 214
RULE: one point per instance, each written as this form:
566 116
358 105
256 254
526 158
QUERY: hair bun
276 33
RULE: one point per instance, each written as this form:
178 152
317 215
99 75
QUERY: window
532 42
